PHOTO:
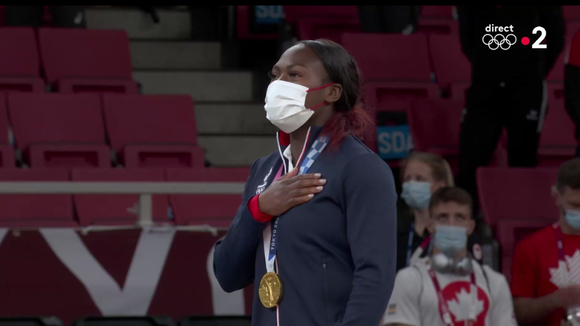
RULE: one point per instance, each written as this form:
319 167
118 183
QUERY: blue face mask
450 239
416 194
573 219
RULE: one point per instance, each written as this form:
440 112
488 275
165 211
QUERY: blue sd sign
269 14
394 142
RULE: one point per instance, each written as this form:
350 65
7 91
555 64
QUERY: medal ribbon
560 245
445 313
270 234
410 243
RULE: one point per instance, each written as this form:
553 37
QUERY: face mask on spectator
450 239
573 219
416 194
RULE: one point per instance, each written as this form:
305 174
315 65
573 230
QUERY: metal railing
144 189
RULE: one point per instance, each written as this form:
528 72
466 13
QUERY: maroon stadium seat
331 28
293 14
59 130
510 232
153 130
557 72
77 60
19 61
6 151
214 210
516 194
557 141
449 63
459 90
438 26
572 28
36 210
445 12
571 13
555 91
119 209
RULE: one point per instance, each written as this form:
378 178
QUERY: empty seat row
72 60
79 130
406 71
435 126
73 210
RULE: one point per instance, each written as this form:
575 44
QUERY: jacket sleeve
235 255
370 203
466 20
552 19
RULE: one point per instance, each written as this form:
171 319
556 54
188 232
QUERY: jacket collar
283 140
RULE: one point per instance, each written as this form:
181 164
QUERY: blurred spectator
389 19
472 294
546 265
507 84
421 174
62 16
572 86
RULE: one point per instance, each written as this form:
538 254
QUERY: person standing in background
507 85
31 16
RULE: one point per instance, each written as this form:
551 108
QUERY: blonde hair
439 167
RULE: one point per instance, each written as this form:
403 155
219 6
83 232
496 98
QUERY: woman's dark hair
349 117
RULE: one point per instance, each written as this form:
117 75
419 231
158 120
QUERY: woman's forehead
299 55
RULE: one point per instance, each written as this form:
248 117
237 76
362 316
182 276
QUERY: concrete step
175 55
247 119
174 24
233 151
203 86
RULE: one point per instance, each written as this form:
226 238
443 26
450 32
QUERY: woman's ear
333 94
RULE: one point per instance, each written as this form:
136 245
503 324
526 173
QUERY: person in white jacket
449 287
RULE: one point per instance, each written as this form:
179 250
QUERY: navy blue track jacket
336 254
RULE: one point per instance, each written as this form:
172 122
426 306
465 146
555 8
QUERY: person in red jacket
546 265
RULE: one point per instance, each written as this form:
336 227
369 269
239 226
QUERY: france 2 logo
505 42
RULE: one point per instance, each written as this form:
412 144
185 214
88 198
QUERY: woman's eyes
272 76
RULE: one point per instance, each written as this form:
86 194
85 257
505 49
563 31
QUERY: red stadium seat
445 12
571 13
119 209
77 60
59 130
510 232
438 26
19 61
435 125
516 194
6 151
393 57
459 90
331 28
557 72
36 210
293 14
555 91
557 141
449 63
572 28
153 130
214 210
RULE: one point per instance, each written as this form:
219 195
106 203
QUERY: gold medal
270 290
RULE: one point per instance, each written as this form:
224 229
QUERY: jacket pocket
325 284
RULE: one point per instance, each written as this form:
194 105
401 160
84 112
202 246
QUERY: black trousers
388 19
63 16
519 107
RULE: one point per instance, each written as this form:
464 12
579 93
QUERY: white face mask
285 105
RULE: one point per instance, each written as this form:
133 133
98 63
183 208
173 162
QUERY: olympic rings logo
499 41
